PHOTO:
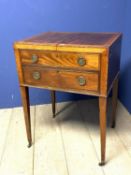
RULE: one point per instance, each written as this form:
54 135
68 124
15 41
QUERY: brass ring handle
36 75
81 80
34 58
81 61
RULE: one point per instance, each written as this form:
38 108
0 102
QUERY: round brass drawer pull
36 75
82 81
34 58
81 61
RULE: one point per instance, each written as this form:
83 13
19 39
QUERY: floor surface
66 145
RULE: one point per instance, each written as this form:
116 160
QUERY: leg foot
29 145
26 107
54 115
113 124
102 163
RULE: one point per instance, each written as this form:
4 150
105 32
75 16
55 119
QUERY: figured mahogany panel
61 59
91 61
45 77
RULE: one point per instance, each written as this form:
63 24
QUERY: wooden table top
62 38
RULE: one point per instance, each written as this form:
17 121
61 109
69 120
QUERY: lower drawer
61 79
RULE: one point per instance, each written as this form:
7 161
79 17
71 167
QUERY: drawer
61 59
81 60
61 79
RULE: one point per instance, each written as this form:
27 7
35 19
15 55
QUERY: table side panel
18 65
114 61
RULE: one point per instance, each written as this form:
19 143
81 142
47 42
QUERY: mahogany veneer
85 63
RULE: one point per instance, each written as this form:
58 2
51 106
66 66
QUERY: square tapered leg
102 114
114 103
53 100
26 108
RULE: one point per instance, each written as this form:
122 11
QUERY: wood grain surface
61 59
75 38
85 63
61 79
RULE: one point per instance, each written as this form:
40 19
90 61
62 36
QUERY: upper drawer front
45 77
61 59
80 60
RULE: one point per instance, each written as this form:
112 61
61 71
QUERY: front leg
26 108
102 116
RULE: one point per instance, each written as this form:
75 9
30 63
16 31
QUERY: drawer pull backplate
81 61
36 75
34 58
82 81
